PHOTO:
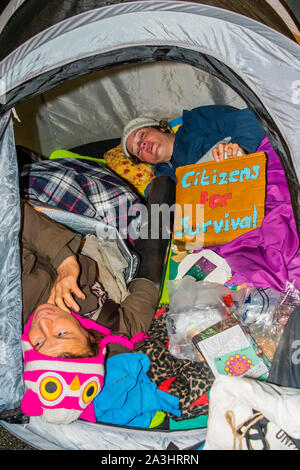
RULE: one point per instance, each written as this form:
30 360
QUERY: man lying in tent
57 278
64 353
217 129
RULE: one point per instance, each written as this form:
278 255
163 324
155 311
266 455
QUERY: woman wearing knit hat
217 129
148 140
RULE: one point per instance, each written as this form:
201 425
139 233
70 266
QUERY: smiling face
54 332
151 145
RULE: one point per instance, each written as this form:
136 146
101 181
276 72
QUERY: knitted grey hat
134 124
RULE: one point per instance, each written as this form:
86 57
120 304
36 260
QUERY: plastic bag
265 314
194 306
289 301
259 305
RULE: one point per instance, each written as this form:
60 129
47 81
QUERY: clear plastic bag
265 314
259 306
193 307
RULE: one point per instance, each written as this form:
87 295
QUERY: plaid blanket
83 187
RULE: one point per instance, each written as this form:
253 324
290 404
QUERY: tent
74 72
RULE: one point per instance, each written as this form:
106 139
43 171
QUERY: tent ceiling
96 106
34 16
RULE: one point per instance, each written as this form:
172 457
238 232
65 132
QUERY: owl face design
61 397
52 390
61 389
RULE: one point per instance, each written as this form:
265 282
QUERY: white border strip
284 15
8 12
65 366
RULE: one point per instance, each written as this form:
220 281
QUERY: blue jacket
129 397
205 126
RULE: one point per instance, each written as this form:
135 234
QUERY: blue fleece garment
129 397
205 126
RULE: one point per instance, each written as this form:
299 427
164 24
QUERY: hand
66 285
231 149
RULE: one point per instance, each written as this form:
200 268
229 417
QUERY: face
151 145
54 331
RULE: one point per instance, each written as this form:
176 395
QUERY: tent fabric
293 8
168 26
11 383
256 9
41 15
130 14
242 53
48 122
82 435
287 10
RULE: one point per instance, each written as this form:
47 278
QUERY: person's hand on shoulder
66 286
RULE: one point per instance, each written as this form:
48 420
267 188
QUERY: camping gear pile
71 78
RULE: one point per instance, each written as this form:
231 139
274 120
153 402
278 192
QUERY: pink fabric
63 390
268 256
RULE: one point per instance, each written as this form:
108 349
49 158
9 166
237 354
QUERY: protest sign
218 202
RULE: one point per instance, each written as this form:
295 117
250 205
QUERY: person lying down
63 349
204 133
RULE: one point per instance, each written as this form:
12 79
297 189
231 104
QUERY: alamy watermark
296 353
156 221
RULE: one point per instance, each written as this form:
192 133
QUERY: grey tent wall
11 383
103 100
38 15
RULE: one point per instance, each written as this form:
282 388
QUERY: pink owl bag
62 390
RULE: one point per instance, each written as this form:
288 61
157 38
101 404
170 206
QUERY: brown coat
44 245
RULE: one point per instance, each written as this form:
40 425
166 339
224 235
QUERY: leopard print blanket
190 381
